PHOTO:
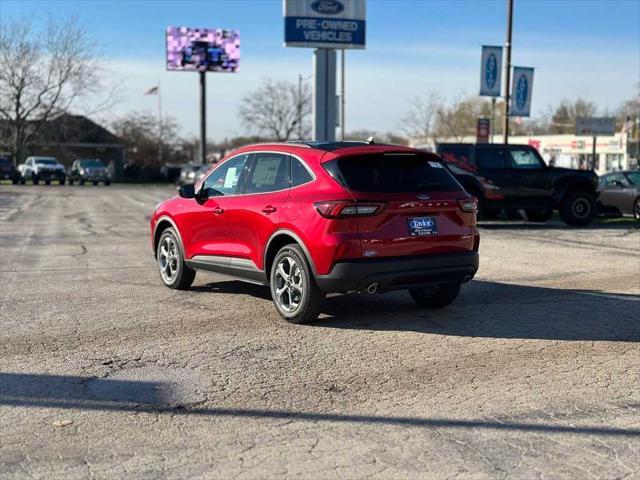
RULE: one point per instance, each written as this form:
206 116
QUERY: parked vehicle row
515 177
38 169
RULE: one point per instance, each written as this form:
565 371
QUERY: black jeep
515 177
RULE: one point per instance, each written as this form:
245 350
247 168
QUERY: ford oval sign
327 7
491 71
522 90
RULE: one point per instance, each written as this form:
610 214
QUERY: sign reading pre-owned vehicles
491 71
521 92
324 23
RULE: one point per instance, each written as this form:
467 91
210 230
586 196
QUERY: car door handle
218 211
269 209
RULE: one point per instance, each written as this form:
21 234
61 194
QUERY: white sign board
324 23
595 126
491 71
521 92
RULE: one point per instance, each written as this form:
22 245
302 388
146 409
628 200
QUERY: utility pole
493 116
300 107
507 86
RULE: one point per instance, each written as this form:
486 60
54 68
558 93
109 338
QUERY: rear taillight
347 208
468 205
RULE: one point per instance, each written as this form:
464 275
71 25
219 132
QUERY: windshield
46 161
392 173
91 163
634 178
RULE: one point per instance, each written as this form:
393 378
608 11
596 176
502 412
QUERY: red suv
313 218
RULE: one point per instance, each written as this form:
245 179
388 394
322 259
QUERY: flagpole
159 124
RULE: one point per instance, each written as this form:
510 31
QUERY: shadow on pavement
497 310
483 309
620 224
69 392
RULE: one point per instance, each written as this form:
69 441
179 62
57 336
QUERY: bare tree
420 122
562 119
278 109
47 68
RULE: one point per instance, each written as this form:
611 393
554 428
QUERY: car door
617 194
532 183
203 223
254 216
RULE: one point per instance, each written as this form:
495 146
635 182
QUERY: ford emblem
491 71
327 7
424 196
522 91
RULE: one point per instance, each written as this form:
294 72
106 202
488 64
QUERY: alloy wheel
168 259
288 284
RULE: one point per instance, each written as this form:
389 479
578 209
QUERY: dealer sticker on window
436 165
422 226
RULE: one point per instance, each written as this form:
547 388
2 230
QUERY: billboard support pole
507 87
342 95
324 94
593 154
203 117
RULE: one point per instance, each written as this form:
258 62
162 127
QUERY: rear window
392 173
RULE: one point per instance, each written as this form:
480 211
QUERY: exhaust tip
373 287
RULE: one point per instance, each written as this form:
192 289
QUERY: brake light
347 208
468 205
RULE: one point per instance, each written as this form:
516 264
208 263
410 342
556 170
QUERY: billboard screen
203 49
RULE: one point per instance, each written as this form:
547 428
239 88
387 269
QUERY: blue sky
585 48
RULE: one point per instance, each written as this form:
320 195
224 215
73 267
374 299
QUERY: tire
35 179
62 182
291 277
47 182
484 212
438 296
513 214
22 181
107 183
578 208
70 181
539 215
636 209
174 273
81 181
15 181
95 184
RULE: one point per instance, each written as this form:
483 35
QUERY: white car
43 168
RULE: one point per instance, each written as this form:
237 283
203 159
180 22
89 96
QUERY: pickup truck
43 168
515 177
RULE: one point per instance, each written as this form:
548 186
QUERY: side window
615 180
270 172
224 179
299 174
524 159
491 158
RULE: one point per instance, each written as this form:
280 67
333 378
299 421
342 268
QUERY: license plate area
422 226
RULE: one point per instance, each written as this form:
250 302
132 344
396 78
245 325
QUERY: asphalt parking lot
534 372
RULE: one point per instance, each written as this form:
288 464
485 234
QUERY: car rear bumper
399 273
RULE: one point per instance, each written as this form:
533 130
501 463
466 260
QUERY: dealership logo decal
327 7
491 71
522 90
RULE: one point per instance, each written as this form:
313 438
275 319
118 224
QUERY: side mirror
187 190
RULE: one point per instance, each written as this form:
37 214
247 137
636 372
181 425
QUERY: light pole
507 87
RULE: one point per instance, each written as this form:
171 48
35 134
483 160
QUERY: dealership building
569 151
